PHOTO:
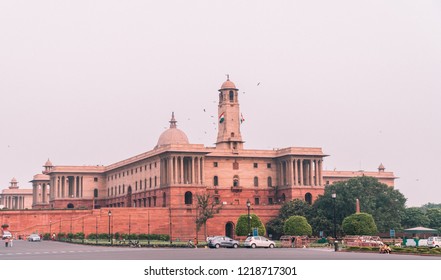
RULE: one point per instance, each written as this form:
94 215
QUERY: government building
172 174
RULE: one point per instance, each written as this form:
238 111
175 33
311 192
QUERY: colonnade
69 186
14 201
40 193
182 170
301 172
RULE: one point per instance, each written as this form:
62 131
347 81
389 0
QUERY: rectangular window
95 179
270 200
255 165
215 164
268 165
256 201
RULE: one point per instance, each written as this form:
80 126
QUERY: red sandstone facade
156 191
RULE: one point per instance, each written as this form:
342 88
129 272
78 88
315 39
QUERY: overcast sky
95 82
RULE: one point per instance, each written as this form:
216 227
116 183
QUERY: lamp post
249 218
96 231
334 196
110 237
148 230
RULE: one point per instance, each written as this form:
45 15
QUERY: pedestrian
12 239
6 241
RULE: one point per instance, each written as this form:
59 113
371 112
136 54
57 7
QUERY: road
50 250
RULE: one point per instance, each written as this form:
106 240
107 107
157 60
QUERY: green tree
242 225
384 203
359 224
275 228
414 217
434 216
295 207
207 208
297 225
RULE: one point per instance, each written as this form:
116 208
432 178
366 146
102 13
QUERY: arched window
236 181
164 199
308 198
231 96
270 181
215 181
283 197
188 198
256 181
70 206
95 193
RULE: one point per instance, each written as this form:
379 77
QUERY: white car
34 237
259 241
434 242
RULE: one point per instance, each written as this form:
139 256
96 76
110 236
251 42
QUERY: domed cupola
173 135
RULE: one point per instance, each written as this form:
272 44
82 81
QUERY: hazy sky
95 82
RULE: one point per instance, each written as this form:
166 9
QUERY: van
434 242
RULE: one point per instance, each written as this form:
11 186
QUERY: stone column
181 169
296 172
169 170
320 172
192 170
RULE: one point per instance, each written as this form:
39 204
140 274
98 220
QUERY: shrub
359 224
297 225
242 225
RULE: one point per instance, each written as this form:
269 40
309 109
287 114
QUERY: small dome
13 180
172 135
48 163
228 85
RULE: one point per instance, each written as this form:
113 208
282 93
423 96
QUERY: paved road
50 250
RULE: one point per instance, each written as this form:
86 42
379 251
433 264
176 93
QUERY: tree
434 216
414 217
275 228
359 224
297 225
295 207
384 203
242 225
207 209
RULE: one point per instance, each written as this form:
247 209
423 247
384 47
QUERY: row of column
301 172
182 170
14 201
69 186
41 193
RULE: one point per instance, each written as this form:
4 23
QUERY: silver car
34 237
222 241
259 241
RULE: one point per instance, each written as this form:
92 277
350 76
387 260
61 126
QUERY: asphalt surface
52 250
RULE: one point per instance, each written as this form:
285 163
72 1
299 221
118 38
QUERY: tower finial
228 77
173 121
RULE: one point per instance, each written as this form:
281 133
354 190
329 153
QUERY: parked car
434 242
34 237
6 234
222 241
259 241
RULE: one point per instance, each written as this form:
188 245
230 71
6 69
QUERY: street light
109 214
249 218
334 196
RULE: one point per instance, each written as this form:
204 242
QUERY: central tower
228 135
